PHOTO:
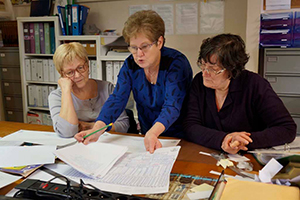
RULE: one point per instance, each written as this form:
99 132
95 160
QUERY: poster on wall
135 8
187 18
211 17
166 11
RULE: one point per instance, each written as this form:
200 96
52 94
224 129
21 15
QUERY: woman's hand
93 138
65 84
83 126
151 142
236 141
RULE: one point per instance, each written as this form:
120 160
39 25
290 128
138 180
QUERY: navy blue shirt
161 102
251 105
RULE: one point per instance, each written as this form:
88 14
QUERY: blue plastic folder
62 18
84 11
75 19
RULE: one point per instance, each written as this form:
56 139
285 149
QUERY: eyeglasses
80 69
143 48
209 70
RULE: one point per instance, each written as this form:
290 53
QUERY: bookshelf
96 48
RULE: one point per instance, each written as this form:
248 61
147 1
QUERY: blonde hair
66 53
147 22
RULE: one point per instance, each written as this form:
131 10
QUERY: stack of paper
93 160
38 137
134 173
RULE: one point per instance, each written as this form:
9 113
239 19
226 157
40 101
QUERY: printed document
93 160
38 137
134 173
134 144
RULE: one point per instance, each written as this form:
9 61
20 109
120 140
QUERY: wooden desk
189 160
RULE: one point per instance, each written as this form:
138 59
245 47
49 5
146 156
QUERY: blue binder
75 19
84 11
62 18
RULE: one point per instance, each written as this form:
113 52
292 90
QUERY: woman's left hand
151 142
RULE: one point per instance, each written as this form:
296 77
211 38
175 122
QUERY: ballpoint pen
97 130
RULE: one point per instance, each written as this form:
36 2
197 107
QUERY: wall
112 15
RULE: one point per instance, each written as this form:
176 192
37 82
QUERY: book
32 40
26 37
68 19
21 170
47 38
52 39
37 38
42 39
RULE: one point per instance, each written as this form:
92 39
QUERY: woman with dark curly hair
231 108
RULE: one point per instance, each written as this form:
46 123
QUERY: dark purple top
251 105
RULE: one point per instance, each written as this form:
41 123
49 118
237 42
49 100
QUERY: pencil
97 130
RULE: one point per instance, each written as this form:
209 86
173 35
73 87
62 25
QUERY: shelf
42 83
37 19
32 54
38 108
113 58
78 37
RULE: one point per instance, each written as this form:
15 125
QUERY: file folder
68 19
26 37
84 11
62 18
75 19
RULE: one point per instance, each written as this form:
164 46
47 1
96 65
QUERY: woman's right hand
236 141
93 138
65 84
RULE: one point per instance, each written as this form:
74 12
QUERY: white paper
11 156
278 4
134 173
135 8
269 171
94 159
237 158
211 17
199 195
6 179
166 11
134 144
187 18
38 137
10 143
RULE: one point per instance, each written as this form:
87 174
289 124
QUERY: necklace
152 76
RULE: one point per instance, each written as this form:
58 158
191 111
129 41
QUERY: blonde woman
76 103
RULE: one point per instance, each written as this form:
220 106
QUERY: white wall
113 14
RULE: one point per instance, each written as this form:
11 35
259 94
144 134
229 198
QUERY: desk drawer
285 85
291 103
282 64
10 73
11 87
9 58
14 116
13 102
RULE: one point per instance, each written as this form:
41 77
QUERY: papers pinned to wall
187 18
166 11
212 17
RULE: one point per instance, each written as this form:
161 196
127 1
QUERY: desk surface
189 161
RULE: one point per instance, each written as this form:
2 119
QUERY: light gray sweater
86 110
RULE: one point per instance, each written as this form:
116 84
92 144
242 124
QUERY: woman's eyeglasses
143 48
80 69
209 70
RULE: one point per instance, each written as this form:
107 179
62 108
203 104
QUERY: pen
97 130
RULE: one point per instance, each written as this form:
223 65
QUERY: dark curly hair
230 52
